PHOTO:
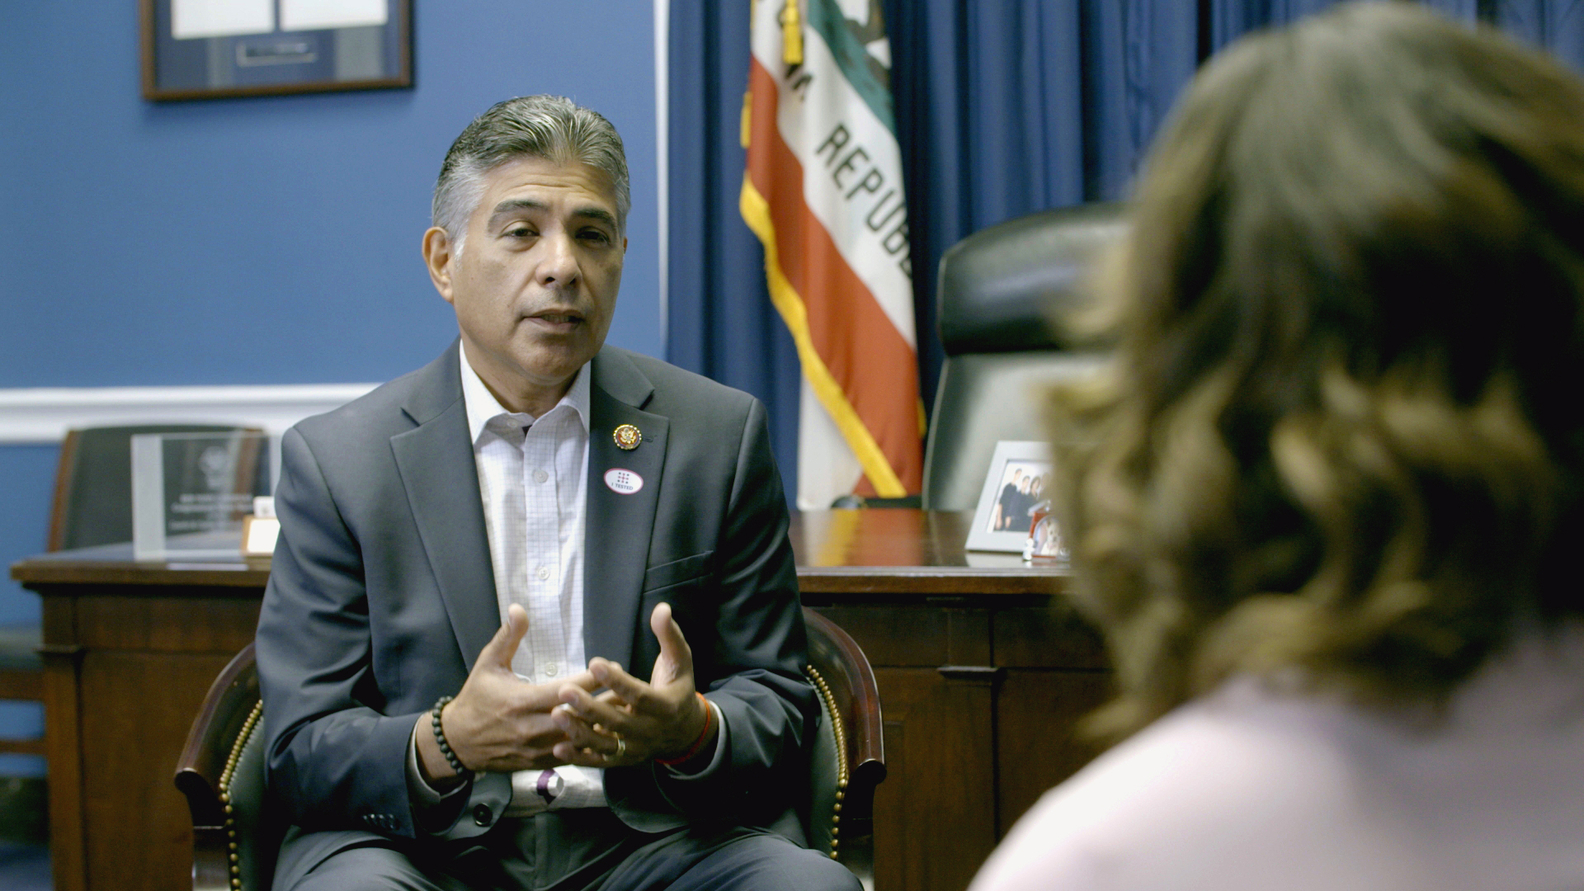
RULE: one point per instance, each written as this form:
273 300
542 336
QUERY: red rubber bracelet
698 744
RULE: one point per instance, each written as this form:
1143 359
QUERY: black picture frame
257 62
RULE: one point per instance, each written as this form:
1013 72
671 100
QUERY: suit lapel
435 460
619 525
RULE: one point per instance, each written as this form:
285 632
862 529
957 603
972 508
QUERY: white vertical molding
662 30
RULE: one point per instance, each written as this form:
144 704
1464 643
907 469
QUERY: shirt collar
482 405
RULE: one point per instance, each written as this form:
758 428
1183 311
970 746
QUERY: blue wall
265 240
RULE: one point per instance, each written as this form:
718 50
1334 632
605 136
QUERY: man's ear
437 254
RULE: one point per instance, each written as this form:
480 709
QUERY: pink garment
1256 788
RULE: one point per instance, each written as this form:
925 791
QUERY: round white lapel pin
623 481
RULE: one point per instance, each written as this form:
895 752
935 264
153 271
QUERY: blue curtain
1557 25
1002 109
719 320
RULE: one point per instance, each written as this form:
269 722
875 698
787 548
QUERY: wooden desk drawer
1046 637
916 636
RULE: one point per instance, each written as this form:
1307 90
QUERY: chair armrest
852 682
211 739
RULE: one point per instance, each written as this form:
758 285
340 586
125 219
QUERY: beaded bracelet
439 733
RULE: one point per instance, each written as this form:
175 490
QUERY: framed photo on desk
1014 488
201 49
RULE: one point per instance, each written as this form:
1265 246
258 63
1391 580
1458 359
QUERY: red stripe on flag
868 357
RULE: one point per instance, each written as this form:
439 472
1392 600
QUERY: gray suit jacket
381 596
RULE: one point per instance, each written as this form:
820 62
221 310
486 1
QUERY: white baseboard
43 415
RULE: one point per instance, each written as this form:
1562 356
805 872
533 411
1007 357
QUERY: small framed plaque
201 49
1015 489
192 491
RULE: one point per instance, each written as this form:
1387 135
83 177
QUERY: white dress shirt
533 474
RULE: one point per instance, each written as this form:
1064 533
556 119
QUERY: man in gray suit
533 621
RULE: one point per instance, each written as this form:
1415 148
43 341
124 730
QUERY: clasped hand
600 717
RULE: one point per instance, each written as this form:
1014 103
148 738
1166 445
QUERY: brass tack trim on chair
226 776
825 694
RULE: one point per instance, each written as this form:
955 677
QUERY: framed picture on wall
202 49
1015 490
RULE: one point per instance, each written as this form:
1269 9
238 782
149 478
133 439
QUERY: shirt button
544 573
540 476
551 670
481 815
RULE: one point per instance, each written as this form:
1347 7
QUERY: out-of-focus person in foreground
1326 503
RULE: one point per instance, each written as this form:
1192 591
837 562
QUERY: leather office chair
92 506
93 486
221 770
996 290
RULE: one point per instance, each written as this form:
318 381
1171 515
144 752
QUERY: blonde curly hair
1341 432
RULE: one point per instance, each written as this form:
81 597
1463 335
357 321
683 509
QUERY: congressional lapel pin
623 481
627 437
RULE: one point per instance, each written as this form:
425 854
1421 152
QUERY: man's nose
559 264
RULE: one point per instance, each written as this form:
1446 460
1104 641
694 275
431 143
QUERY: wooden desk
982 672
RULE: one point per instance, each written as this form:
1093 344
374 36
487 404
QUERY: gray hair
549 127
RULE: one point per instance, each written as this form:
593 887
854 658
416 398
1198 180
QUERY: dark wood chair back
21 679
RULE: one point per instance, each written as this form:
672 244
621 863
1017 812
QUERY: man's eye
521 232
597 236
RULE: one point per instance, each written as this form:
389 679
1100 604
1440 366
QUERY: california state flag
823 191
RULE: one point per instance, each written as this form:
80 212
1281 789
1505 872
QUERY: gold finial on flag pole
791 34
